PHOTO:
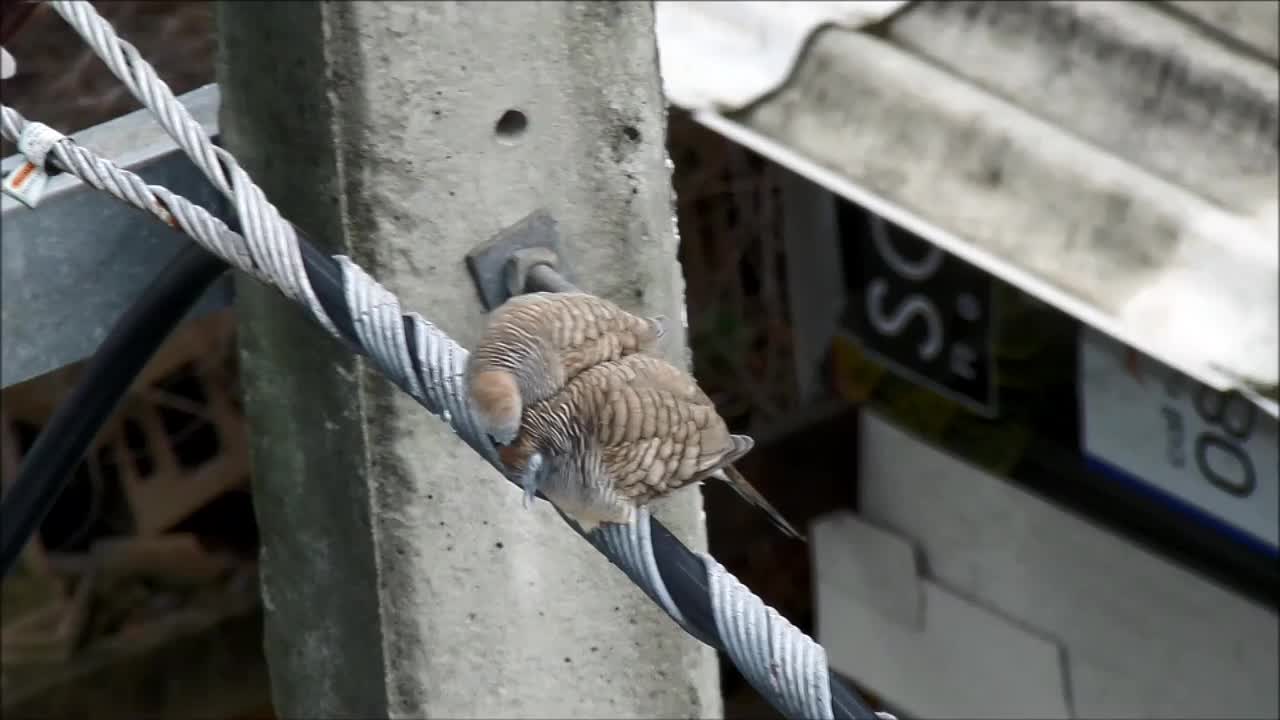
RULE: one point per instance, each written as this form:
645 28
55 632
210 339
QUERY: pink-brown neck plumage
495 399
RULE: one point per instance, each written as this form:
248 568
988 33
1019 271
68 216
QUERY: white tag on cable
27 182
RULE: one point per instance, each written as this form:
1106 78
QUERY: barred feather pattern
623 433
546 339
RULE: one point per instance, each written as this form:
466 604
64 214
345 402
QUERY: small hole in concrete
631 133
511 126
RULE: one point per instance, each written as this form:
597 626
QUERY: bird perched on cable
536 342
621 434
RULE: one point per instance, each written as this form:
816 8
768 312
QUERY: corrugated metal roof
1118 160
728 54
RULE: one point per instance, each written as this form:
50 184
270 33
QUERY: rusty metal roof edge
1021 171
966 250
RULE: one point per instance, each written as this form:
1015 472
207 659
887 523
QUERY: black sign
919 311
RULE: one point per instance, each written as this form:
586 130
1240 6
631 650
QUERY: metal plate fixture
510 255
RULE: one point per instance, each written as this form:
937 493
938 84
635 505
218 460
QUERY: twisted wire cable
170 208
787 667
271 240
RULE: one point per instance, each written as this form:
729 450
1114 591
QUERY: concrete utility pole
400 574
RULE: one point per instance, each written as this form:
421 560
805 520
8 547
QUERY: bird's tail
730 475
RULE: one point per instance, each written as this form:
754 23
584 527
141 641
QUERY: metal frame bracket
500 267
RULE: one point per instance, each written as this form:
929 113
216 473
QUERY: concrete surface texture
400 575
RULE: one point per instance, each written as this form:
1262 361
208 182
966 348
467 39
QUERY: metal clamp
522 258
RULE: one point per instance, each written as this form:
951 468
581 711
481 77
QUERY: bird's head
495 401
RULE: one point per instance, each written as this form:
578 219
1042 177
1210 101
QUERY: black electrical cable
686 578
132 342
139 333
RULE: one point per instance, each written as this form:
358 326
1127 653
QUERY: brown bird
621 434
535 343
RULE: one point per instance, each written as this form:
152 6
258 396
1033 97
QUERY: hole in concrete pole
511 127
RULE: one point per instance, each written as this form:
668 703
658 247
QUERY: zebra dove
621 434
535 343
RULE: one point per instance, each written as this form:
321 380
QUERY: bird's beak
529 480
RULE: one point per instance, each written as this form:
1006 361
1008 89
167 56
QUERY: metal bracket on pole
522 258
